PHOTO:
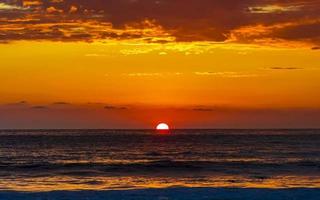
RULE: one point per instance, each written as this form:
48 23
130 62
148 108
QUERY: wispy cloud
39 107
61 103
273 9
203 109
285 68
111 107
20 103
227 74
152 74
4 6
143 74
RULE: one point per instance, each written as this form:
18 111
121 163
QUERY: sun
162 126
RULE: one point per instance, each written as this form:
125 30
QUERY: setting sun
162 126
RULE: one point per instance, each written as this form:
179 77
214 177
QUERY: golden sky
134 63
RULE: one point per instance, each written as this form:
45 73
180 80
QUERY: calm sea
46 160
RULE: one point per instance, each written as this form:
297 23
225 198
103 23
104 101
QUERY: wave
162 166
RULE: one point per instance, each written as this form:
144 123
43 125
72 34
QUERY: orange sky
134 63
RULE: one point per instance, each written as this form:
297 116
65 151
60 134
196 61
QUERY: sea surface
99 160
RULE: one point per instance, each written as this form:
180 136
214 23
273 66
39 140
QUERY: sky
136 63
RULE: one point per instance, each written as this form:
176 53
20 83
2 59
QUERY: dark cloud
308 31
110 107
39 107
20 103
285 68
203 109
188 20
61 103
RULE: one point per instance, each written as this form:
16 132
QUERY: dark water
116 159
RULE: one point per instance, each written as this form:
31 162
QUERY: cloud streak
39 107
285 68
117 116
111 107
227 74
8 7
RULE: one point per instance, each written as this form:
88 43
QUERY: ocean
45 161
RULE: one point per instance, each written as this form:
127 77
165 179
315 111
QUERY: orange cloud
27 3
304 32
73 9
248 21
52 9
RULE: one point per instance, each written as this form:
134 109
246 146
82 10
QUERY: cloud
204 116
227 74
143 74
265 22
285 68
32 3
7 7
61 103
39 107
73 9
20 103
110 107
203 109
52 9
205 73
273 9
300 33
152 74
217 108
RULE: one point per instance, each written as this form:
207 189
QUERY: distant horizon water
154 129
